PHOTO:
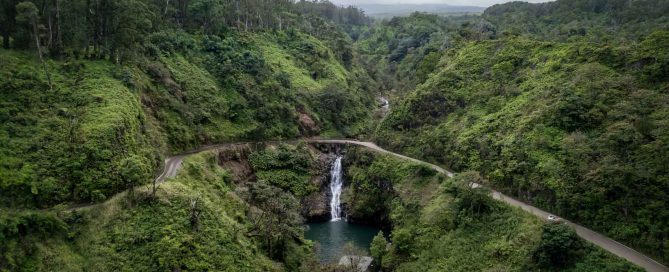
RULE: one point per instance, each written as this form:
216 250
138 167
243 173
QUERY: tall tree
27 13
7 21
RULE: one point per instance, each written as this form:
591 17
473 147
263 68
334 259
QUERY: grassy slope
156 234
431 233
67 145
300 56
568 126
70 144
64 144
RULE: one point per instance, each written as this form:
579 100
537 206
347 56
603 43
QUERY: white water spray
336 183
385 104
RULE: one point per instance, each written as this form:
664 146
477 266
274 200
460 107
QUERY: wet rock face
316 206
308 126
235 159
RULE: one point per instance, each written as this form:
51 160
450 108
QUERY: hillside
440 223
568 127
189 92
200 220
403 51
247 110
86 124
399 10
600 20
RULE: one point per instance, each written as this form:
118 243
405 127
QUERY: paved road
172 165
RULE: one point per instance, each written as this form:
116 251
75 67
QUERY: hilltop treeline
577 19
118 29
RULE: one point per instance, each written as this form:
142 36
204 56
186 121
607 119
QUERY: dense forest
102 97
447 225
577 126
599 20
96 93
403 51
561 104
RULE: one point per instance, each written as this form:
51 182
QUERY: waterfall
336 183
385 104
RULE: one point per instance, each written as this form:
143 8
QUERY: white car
553 218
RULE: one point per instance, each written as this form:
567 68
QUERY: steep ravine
315 206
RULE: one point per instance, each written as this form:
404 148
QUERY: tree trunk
280 23
59 39
9 24
39 53
238 15
50 42
5 39
167 4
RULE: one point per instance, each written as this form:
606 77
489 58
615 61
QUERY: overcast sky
481 3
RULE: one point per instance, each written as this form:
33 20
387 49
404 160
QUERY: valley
218 135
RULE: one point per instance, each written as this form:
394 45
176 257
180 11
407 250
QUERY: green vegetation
67 144
403 51
576 128
443 224
287 167
95 93
601 20
69 122
568 127
195 221
560 104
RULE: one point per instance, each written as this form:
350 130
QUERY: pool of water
332 236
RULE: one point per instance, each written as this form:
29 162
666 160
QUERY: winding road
173 164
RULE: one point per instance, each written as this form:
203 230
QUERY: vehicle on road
553 218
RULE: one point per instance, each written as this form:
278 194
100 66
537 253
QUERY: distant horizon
414 4
472 3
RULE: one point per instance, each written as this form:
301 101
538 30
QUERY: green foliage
278 222
566 126
559 246
157 233
574 19
287 167
341 110
374 182
134 170
67 144
26 12
118 29
471 199
442 224
188 90
20 233
403 51
653 57
427 66
378 248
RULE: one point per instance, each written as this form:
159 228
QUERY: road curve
172 165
